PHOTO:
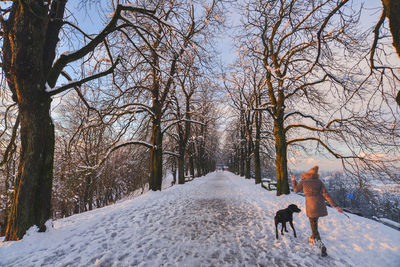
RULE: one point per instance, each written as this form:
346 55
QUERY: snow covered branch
113 149
143 107
304 116
305 85
310 128
171 153
183 120
73 84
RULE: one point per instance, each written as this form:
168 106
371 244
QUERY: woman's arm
296 187
330 199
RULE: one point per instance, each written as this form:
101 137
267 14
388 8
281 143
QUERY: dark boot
322 247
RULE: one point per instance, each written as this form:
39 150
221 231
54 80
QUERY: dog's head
294 208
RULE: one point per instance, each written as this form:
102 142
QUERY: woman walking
315 192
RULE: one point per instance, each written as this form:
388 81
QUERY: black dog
283 216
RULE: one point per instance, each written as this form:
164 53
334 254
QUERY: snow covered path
217 220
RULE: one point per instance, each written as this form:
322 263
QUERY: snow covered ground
217 220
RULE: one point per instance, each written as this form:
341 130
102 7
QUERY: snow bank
220 220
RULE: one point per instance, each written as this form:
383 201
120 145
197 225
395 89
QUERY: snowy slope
219 220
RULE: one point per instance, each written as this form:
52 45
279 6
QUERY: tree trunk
87 195
31 200
242 145
191 159
181 164
248 156
257 161
247 166
236 163
23 53
242 156
281 157
249 143
156 157
174 170
201 153
199 164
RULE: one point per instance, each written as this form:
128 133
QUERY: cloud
376 156
293 160
311 161
303 164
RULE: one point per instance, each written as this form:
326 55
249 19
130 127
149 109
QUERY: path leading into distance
217 220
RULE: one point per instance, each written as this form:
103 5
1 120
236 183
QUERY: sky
369 17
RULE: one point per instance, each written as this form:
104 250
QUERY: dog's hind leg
276 228
283 226
294 231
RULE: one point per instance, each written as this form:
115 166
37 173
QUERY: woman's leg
314 228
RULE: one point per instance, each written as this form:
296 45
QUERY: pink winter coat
315 192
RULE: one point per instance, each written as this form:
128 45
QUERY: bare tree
79 185
205 139
165 50
295 40
245 85
241 95
30 34
183 114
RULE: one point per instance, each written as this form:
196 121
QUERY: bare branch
11 143
183 120
6 118
336 155
87 79
113 149
310 128
171 153
78 29
304 116
376 38
321 29
65 59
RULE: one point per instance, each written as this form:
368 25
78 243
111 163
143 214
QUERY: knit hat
312 173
